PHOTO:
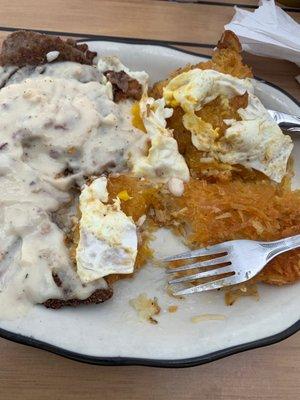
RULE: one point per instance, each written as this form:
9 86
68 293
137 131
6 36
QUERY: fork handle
287 121
281 246
293 129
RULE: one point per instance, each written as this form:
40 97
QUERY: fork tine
205 251
217 284
200 264
205 274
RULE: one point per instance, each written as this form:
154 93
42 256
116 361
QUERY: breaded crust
229 40
99 296
124 87
23 48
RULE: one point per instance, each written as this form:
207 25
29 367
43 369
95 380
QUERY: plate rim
148 362
161 363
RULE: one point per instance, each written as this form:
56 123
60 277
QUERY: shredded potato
224 202
208 317
146 307
210 213
241 290
258 210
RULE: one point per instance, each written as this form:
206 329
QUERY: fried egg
193 89
156 155
108 237
255 141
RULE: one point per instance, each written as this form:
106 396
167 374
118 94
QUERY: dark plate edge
180 363
126 361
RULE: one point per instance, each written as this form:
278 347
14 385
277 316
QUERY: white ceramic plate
111 333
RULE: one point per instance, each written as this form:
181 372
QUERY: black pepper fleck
3 145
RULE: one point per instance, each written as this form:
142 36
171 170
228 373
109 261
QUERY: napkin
268 31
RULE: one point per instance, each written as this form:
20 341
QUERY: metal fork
287 122
243 259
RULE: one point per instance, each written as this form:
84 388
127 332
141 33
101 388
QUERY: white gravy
57 126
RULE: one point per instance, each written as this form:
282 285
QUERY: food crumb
176 187
171 293
172 309
207 317
146 307
72 150
243 290
52 55
141 220
3 145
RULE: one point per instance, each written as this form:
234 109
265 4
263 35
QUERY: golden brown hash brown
210 213
141 194
221 202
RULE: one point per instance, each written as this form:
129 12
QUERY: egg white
108 237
